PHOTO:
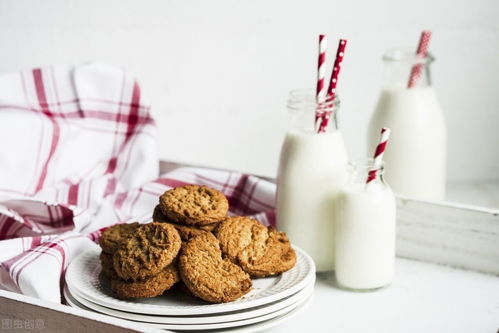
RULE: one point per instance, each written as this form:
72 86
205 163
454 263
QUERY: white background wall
218 71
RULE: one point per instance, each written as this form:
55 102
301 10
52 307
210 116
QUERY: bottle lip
406 55
305 99
364 165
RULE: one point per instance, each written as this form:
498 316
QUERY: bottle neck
403 69
302 109
358 172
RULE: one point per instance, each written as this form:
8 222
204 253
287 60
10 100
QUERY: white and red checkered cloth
79 153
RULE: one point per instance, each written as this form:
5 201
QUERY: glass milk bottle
365 230
417 154
312 170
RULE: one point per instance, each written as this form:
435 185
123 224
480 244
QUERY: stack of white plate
271 301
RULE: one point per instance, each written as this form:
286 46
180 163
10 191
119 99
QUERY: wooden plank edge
16 306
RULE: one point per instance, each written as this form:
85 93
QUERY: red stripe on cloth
171 182
35 242
110 187
65 219
247 209
6 222
226 186
73 194
235 199
51 217
134 111
95 235
42 100
94 114
111 165
33 178
271 218
10 227
111 182
120 198
131 132
43 249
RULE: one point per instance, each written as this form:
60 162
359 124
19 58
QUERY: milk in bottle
312 170
417 154
365 231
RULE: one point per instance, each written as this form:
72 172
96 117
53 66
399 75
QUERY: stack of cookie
218 257
139 259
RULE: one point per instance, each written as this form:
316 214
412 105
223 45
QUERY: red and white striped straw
421 52
321 69
321 74
331 91
378 155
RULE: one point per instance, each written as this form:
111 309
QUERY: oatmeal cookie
207 275
150 287
111 237
186 231
258 250
147 251
106 261
193 204
268 257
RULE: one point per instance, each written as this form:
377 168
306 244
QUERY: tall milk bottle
312 170
418 144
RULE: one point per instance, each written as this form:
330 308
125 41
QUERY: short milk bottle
365 230
312 170
417 155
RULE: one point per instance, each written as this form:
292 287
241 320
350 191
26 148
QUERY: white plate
199 320
198 327
82 276
252 328
265 325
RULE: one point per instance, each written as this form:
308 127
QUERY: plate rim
217 318
127 306
231 324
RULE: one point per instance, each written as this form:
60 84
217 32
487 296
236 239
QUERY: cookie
272 256
186 231
147 251
258 250
158 216
106 261
208 227
207 275
193 204
236 233
111 237
183 289
149 287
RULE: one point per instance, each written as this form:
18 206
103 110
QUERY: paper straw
421 52
331 91
378 155
321 74
321 69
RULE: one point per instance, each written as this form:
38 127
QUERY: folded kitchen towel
78 153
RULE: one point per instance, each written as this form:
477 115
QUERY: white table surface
423 298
